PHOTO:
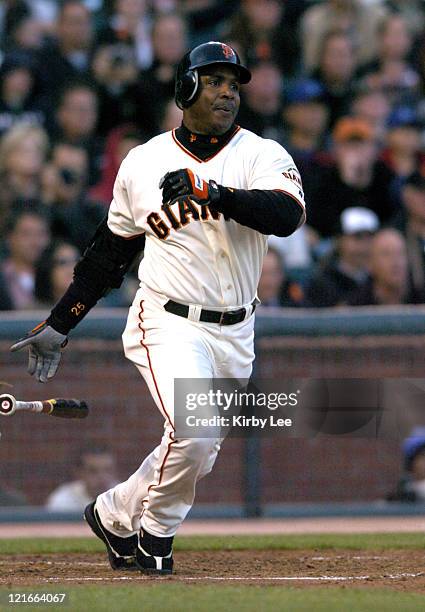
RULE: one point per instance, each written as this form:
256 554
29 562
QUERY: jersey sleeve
120 216
274 169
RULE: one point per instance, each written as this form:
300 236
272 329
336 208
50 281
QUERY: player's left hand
45 350
180 183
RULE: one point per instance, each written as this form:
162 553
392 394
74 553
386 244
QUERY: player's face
216 108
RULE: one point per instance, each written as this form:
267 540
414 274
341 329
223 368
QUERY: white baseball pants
164 346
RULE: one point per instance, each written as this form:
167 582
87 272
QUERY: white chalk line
356 558
105 564
241 578
53 563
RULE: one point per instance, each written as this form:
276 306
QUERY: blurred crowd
339 83
93 470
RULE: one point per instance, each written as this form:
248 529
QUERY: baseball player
201 201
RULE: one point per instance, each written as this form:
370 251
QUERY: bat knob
7 404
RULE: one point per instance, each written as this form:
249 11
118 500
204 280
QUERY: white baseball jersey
193 255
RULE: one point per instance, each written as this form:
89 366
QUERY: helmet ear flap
187 88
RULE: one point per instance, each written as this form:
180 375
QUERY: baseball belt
230 317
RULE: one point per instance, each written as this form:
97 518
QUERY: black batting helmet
187 79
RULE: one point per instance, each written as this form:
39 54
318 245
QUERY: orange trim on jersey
184 148
142 342
195 157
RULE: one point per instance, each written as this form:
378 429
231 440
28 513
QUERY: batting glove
45 350
181 183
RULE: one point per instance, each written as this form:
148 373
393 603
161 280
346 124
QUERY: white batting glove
45 350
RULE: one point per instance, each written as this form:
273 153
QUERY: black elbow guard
102 267
107 259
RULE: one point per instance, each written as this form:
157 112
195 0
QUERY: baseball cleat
154 555
121 551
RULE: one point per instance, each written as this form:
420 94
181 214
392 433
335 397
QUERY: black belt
209 316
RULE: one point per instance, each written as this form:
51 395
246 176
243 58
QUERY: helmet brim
244 74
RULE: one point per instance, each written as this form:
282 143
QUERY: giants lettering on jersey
177 215
293 175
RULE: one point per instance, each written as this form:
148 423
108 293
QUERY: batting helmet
187 79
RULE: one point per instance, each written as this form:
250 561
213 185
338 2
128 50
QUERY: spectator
46 12
374 107
259 30
68 56
261 103
12 13
358 178
130 23
18 95
412 12
345 270
22 154
169 40
118 144
115 70
411 486
172 116
96 472
335 73
207 18
274 288
75 123
306 118
403 152
74 214
391 71
420 66
74 217
389 281
27 235
357 18
26 33
412 222
54 273
295 251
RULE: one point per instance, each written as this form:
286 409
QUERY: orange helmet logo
227 51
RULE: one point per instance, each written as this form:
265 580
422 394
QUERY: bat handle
30 406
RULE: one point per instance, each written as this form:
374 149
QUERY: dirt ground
397 569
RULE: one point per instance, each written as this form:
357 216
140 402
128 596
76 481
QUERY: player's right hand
184 182
45 350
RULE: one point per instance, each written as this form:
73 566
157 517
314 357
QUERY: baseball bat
63 408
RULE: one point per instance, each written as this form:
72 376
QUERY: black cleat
121 551
154 555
